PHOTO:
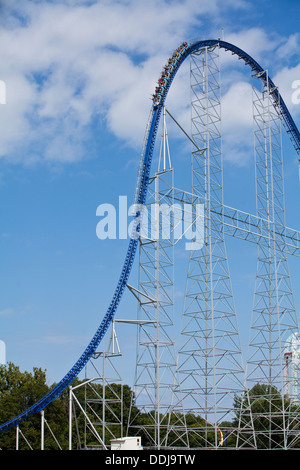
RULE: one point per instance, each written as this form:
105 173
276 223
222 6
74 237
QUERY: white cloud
289 47
237 115
284 79
68 63
237 123
255 41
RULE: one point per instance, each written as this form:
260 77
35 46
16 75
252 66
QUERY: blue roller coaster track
159 97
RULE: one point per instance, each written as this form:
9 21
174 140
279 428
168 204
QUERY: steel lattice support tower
155 375
274 317
210 380
103 396
210 360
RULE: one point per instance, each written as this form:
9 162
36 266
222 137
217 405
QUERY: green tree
273 416
20 390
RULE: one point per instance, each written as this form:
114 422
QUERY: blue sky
79 77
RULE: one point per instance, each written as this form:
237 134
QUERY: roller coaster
164 83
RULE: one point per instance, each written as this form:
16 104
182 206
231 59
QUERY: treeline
20 390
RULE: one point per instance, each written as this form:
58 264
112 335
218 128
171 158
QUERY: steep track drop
141 193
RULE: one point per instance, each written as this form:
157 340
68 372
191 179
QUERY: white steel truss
210 367
207 377
156 356
274 319
100 405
